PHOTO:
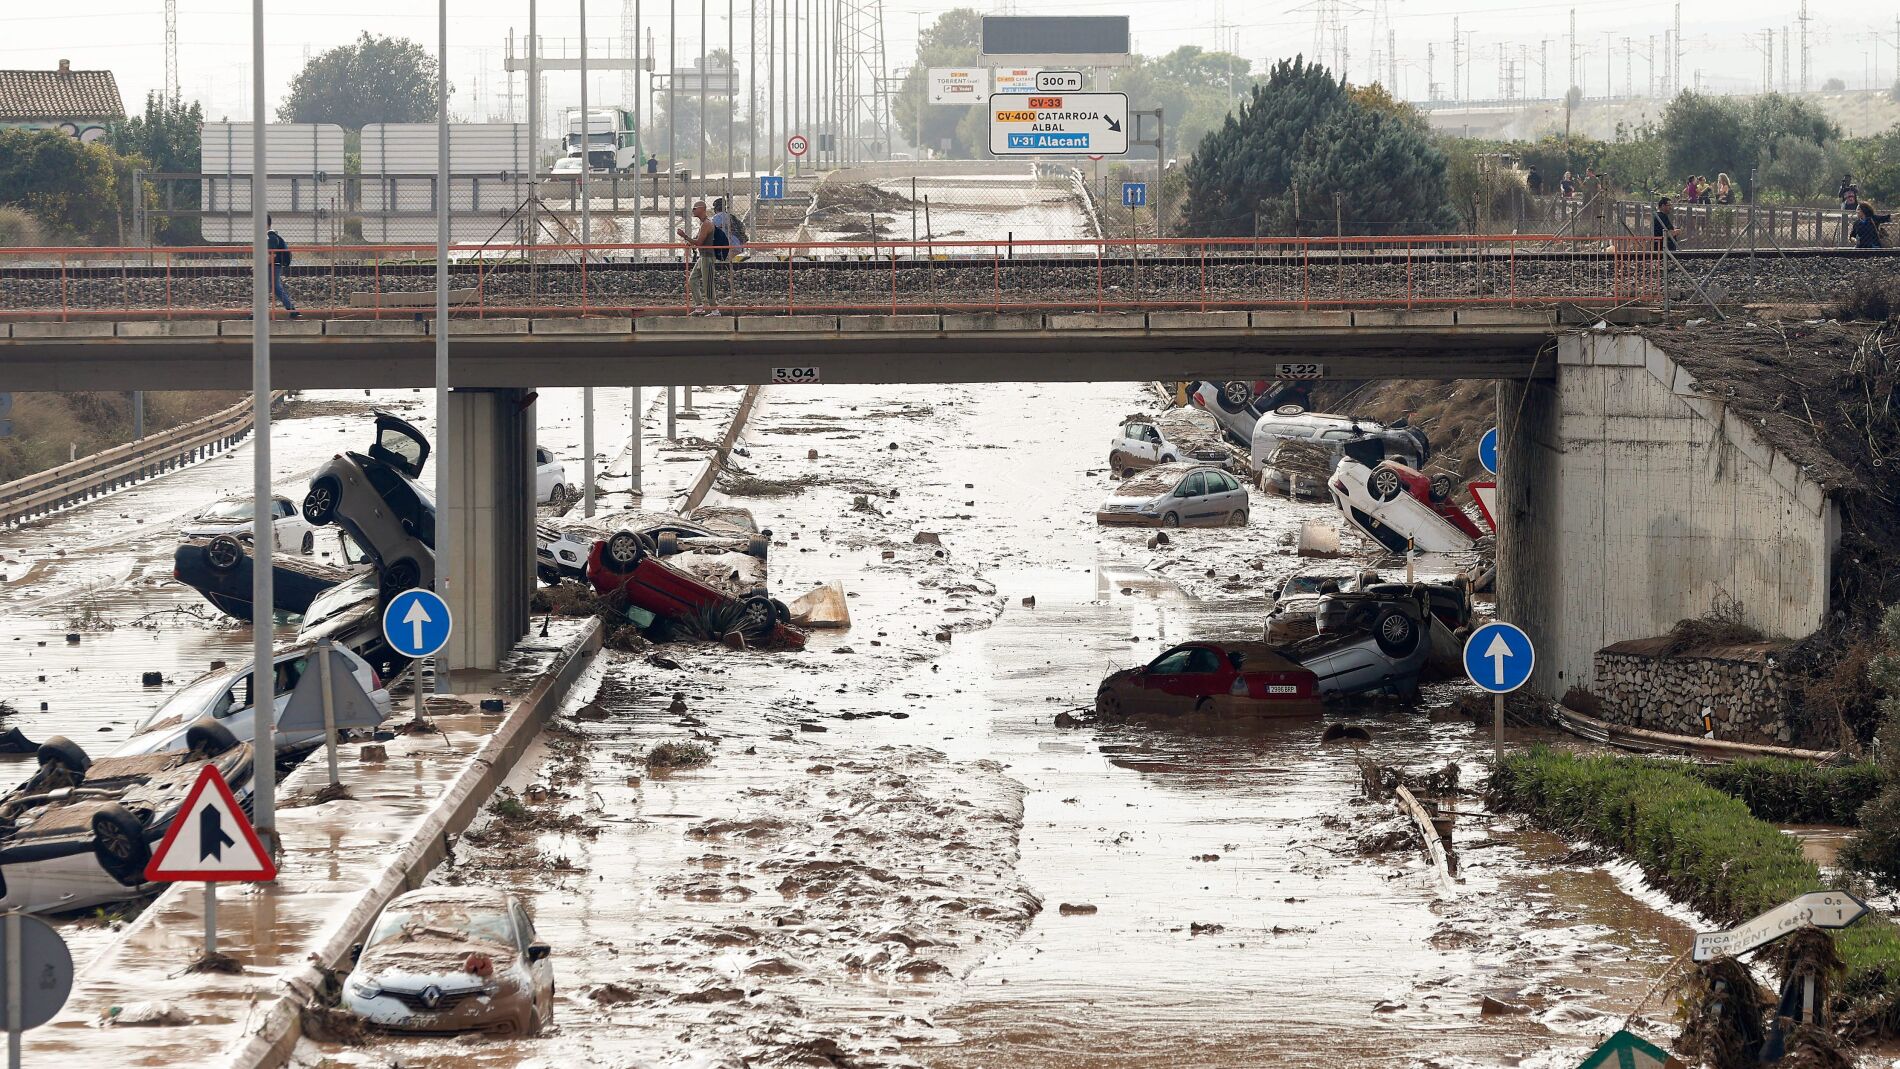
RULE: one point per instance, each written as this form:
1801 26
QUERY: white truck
613 143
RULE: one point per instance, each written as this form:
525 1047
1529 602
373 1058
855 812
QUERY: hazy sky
1721 40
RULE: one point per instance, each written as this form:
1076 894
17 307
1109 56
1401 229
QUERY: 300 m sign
783 375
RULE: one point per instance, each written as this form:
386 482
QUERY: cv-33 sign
1059 124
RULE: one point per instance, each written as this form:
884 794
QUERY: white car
568 167
1165 438
224 696
1177 495
562 545
453 959
550 480
1290 423
232 516
1396 505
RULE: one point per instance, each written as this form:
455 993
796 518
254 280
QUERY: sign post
797 145
1134 194
38 977
1058 124
771 187
210 840
417 624
1822 909
1499 658
329 698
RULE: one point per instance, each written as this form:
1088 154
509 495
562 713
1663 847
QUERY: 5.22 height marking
783 375
1299 371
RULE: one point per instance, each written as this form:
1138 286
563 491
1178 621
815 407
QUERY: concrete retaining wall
1743 687
1634 499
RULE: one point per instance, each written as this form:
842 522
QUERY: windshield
234 509
401 444
344 595
1302 584
193 701
445 920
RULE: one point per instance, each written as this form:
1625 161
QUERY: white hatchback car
453 959
550 480
1177 495
224 696
232 516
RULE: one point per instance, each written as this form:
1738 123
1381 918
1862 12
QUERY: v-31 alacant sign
1059 124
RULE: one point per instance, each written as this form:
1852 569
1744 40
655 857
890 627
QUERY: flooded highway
895 856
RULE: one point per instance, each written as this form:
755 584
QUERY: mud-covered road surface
893 856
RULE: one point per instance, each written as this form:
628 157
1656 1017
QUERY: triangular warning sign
210 839
1486 495
1627 1050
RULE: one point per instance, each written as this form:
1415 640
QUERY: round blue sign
1488 451
417 623
1499 657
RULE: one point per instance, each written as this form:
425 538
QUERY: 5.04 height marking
783 375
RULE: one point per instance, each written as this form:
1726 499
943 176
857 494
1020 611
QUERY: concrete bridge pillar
491 575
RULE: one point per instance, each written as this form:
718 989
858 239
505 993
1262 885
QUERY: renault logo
432 996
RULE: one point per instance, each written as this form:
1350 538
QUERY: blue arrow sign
771 187
1134 194
1499 657
417 623
1488 451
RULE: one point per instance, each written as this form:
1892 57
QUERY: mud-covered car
1381 645
1328 434
1240 678
79 832
1291 609
1237 404
1167 437
350 615
376 497
1189 494
564 544
290 532
453 959
220 568
224 696
708 593
1396 505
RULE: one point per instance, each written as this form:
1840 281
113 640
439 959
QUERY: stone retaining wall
1743 686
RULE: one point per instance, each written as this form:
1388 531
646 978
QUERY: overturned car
563 545
1397 505
707 591
79 832
221 569
1379 643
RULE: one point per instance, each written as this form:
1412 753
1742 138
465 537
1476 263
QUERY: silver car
224 696
376 498
1177 495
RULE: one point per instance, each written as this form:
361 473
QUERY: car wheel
1108 703
403 575
1385 484
547 575
755 618
64 752
118 841
558 497
1204 705
319 505
1128 473
1235 395
223 554
209 737
624 550
1441 487
309 543
758 546
667 543
781 612
1238 519
1171 520
1290 410
1170 459
1396 633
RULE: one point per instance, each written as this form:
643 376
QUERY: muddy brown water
874 866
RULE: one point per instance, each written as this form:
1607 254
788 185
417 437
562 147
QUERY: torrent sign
1059 124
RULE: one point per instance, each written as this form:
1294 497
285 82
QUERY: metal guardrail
1092 274
108 469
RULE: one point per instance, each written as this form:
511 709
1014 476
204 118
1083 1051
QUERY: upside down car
1396 505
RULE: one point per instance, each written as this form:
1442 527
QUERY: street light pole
444 532
263 671
587 238
534 101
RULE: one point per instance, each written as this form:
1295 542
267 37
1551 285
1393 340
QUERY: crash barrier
273 1026
109 469
703 482
1073 274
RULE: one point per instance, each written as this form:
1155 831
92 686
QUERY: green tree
166 138
1874 851
952 41
70 187
1194 89
688 128
1705 134
1298 139
376 79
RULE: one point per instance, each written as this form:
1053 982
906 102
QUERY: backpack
738 231
720 244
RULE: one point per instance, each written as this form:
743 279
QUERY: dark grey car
376 498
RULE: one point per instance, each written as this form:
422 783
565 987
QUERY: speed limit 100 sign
796 144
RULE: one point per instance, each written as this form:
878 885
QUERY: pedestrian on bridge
1867 224
724 222
279 265
1664 226
699 283
1724 189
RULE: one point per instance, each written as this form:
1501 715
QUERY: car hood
1122 676
420 962
196 527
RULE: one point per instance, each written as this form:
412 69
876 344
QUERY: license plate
1281 689
1299 371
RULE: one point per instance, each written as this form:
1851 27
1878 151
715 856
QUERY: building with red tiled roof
80 103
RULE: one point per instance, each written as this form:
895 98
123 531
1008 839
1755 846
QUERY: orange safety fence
848 277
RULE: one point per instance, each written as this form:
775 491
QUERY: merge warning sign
1059 124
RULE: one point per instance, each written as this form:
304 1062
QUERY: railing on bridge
397 281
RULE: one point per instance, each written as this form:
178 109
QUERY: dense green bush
1781 791
1699 845
1875 852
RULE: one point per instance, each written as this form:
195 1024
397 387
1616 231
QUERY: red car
636 572
1240 678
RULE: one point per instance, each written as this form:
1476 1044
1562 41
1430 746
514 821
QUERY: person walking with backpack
734 230
279 265
1867 225
708 244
